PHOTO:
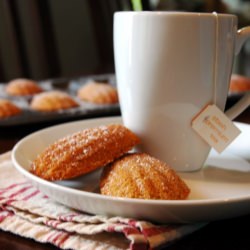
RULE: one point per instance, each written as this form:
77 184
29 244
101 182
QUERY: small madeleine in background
239 84
98 92
52 101
8 109
22 87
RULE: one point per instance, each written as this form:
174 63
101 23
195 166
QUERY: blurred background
41 39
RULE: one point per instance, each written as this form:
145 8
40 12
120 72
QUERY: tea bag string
216 59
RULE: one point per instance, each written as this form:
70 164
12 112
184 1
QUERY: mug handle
242 35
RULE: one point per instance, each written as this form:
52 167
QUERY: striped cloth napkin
27 212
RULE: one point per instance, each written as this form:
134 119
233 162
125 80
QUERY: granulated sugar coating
83 152
142 176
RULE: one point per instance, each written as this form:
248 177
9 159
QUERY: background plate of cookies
26 101
221 189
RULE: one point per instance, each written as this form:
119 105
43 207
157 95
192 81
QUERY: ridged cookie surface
52 101
97 92
142 176
22 87
83 152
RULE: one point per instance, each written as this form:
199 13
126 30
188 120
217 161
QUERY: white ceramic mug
169 66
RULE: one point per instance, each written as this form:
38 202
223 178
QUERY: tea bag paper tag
215 127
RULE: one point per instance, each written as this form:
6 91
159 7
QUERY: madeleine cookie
97 92
142 176
52 101
7 109
22 87
83 152
239 83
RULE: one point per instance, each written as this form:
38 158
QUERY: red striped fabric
140 234
4 213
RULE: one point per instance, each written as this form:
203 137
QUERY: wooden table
227 234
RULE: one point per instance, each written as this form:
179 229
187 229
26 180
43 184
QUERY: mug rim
174 13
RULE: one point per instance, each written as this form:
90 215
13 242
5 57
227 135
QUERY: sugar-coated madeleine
52 101
98 92
83 152
22 87
8 108
142 176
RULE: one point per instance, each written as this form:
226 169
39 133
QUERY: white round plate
220 190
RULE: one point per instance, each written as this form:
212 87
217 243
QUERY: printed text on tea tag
215 127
